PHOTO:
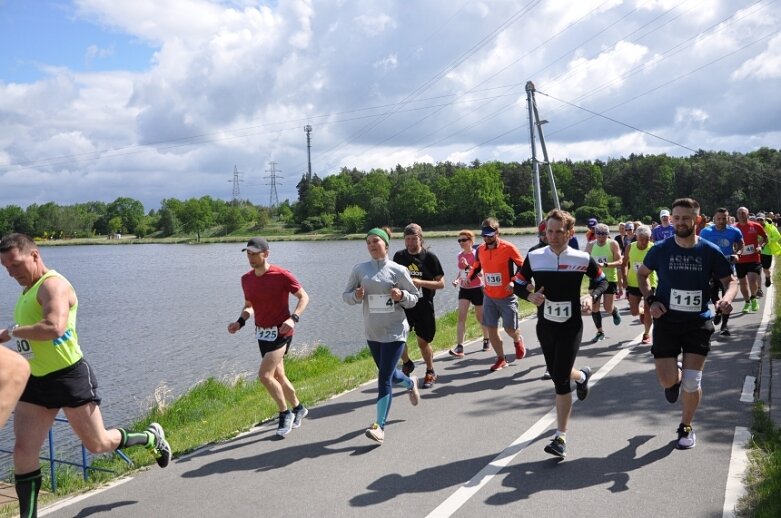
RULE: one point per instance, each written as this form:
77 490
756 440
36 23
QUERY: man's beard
685 232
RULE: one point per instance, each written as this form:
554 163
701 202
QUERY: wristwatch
295 318
11 330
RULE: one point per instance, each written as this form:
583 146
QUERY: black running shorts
421 319
743 269
673 338
70 387
631 290
269 346
473 295
767 261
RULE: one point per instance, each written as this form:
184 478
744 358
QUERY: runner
679 306
749 267
14 373
267 289
556 272
469 293
384 289
634 253
428 276
730 241
590 224
45 333
771 248
664 230
608 255
495 258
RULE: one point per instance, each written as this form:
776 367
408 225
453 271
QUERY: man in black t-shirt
427 275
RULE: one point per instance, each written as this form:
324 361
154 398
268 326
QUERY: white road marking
737 468
748 389
756 349
455 501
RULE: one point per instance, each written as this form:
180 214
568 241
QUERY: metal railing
84 464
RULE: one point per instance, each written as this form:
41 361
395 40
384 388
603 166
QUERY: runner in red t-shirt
749 267
267 289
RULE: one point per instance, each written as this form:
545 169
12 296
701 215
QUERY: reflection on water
154 317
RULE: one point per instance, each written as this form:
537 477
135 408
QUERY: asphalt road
474 446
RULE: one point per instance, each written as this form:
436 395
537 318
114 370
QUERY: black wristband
241 321
295 318
650 299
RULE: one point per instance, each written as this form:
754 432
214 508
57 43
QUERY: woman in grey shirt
384 288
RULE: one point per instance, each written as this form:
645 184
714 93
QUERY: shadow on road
105 508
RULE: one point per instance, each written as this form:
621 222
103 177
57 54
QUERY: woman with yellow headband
384 289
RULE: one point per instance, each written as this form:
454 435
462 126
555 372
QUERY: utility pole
236 180
535 122
308 131
273 200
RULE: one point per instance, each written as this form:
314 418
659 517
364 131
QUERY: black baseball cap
255 245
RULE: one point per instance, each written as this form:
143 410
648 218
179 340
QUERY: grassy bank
216 410
763 479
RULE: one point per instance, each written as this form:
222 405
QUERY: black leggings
560 345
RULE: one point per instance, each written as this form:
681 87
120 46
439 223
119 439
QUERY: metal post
552 180
308 130
535 164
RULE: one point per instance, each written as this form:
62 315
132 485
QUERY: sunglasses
463 239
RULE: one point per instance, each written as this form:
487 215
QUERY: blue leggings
386 356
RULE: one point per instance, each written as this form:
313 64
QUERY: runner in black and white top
556 272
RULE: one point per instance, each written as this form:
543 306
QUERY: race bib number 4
380 304
557 311
266 334
689 301
493 279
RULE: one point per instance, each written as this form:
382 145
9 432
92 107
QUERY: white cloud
766 65
690 116
373 25
387 63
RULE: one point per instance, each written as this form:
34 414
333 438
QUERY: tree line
445 194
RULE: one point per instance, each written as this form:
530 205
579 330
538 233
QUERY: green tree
196 216
412 201
352 219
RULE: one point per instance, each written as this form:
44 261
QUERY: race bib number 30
689 301
493 279
266 334
380 304
558 311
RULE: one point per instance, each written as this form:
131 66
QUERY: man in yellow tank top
44 331
633 258
607 254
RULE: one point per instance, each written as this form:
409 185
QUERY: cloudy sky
152 100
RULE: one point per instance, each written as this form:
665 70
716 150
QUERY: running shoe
760 292
429 379
161 450
582 388
767 282
299 415
754 305
285 423
414 394
599 337
408 367
646 339
557 447
686 437
486 344
616 317
500 364
717 318
671 393
375 433
746 307
725 332
520 350
546 375
457 351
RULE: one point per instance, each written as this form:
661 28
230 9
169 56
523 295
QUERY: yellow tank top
636 257
605 254
46 356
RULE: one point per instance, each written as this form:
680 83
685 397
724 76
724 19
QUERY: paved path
474 446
